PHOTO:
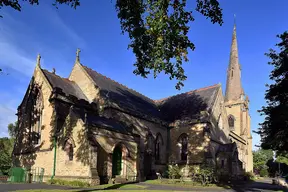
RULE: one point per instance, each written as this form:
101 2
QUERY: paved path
263 185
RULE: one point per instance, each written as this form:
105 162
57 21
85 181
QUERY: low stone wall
92 181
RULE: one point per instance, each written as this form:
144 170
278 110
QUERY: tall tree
12 129
274 129
260 159
157 29
6 146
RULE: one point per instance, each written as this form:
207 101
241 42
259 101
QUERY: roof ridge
188 92
63 78
119 83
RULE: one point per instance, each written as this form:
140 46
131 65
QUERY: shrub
263 173
207 174
249 176
174 171
74 183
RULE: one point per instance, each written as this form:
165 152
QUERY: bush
75 183
249 176
174 172
263 173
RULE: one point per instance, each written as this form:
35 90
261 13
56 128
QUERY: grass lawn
178 183
116 190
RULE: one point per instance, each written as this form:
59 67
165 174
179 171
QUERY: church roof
177 107
106 123
124 97
67 86
188 105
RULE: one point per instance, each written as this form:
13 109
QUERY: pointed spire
233 85
38 60
78 55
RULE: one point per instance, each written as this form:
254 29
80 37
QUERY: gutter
55 143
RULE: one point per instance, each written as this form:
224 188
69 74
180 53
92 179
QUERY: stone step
119 179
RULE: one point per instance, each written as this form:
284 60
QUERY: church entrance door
117 161
147 164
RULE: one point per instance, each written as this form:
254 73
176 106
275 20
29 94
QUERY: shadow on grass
241 186
130 185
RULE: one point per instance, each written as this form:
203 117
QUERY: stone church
92 128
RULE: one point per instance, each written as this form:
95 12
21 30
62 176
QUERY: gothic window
36 116
183 143
150 144
69 149
231 122
158 143
222 163
232 73
220 122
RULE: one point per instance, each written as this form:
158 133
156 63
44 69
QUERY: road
263 185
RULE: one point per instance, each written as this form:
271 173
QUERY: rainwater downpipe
54 160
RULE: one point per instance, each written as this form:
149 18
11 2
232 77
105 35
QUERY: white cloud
7 111
18 50
67 31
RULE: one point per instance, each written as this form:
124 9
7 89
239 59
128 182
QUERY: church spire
233 85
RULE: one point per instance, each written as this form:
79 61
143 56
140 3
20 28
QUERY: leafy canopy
274 129
260 158
12 129
157 29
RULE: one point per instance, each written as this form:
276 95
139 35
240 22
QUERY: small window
183 141
71 152
222 163
69 149
231 122
158 143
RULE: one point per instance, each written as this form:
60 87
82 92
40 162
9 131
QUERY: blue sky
94 28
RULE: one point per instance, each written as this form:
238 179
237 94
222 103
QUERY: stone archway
119 158
117 161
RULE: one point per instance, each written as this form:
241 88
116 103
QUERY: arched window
36 115
220 122
69 149
183 143
231 122
158 143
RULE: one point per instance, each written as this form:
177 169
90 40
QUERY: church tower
237 107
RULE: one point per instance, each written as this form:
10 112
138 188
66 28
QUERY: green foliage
260 159
174 171
206 174
282 158
157 29
75 183
6 146
12 129
249 176
274 129
264 173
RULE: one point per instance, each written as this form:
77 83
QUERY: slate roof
67 86
125 98
188 105
178 107
106 123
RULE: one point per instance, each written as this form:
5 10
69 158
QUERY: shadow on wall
28 141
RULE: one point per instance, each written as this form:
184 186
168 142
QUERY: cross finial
77 55
234 20
38 60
